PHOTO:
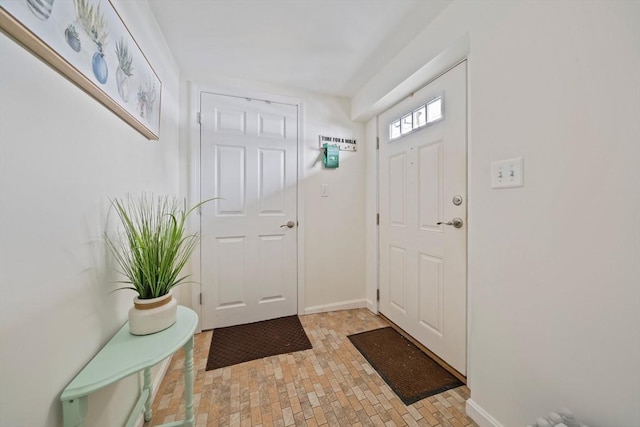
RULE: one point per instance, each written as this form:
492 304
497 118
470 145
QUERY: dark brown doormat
410 373
242 343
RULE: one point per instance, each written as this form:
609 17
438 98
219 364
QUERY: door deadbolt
457 200
456 222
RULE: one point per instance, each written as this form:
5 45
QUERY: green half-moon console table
126 354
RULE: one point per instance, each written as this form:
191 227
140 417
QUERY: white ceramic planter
148 316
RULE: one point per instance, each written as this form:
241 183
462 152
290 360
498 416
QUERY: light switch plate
324 190
507 173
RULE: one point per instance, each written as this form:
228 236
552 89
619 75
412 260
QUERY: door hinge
200 298
378 219
377 294
377 142
199 118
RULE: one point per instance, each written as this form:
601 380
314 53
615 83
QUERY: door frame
446 60
430 351
194 178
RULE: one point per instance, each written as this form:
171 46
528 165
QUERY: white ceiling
327 46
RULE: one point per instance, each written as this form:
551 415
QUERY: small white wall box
344 144
507 173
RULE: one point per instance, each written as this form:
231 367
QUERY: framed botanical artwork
87 41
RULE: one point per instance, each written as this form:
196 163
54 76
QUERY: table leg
189 420
148 402
74 411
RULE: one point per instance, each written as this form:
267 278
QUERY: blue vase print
41 8
73 40
100 69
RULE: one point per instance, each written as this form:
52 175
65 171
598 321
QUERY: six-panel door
248 254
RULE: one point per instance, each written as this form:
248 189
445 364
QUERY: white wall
553 274
333 227
62 154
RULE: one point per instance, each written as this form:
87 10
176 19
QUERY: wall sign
344 144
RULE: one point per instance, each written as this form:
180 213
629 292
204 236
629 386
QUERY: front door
249 235
423 163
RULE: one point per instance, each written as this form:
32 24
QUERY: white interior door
423 263
248 253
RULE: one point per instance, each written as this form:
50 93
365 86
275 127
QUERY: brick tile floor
329 385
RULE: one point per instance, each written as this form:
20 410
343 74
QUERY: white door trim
372 209
443 330
447 59
194 189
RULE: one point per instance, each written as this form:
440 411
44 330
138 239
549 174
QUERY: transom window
424 115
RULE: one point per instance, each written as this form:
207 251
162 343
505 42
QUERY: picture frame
88 42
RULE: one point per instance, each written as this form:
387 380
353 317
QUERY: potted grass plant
151 252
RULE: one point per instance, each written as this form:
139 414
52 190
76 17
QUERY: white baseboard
343 305
480 416
164 367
